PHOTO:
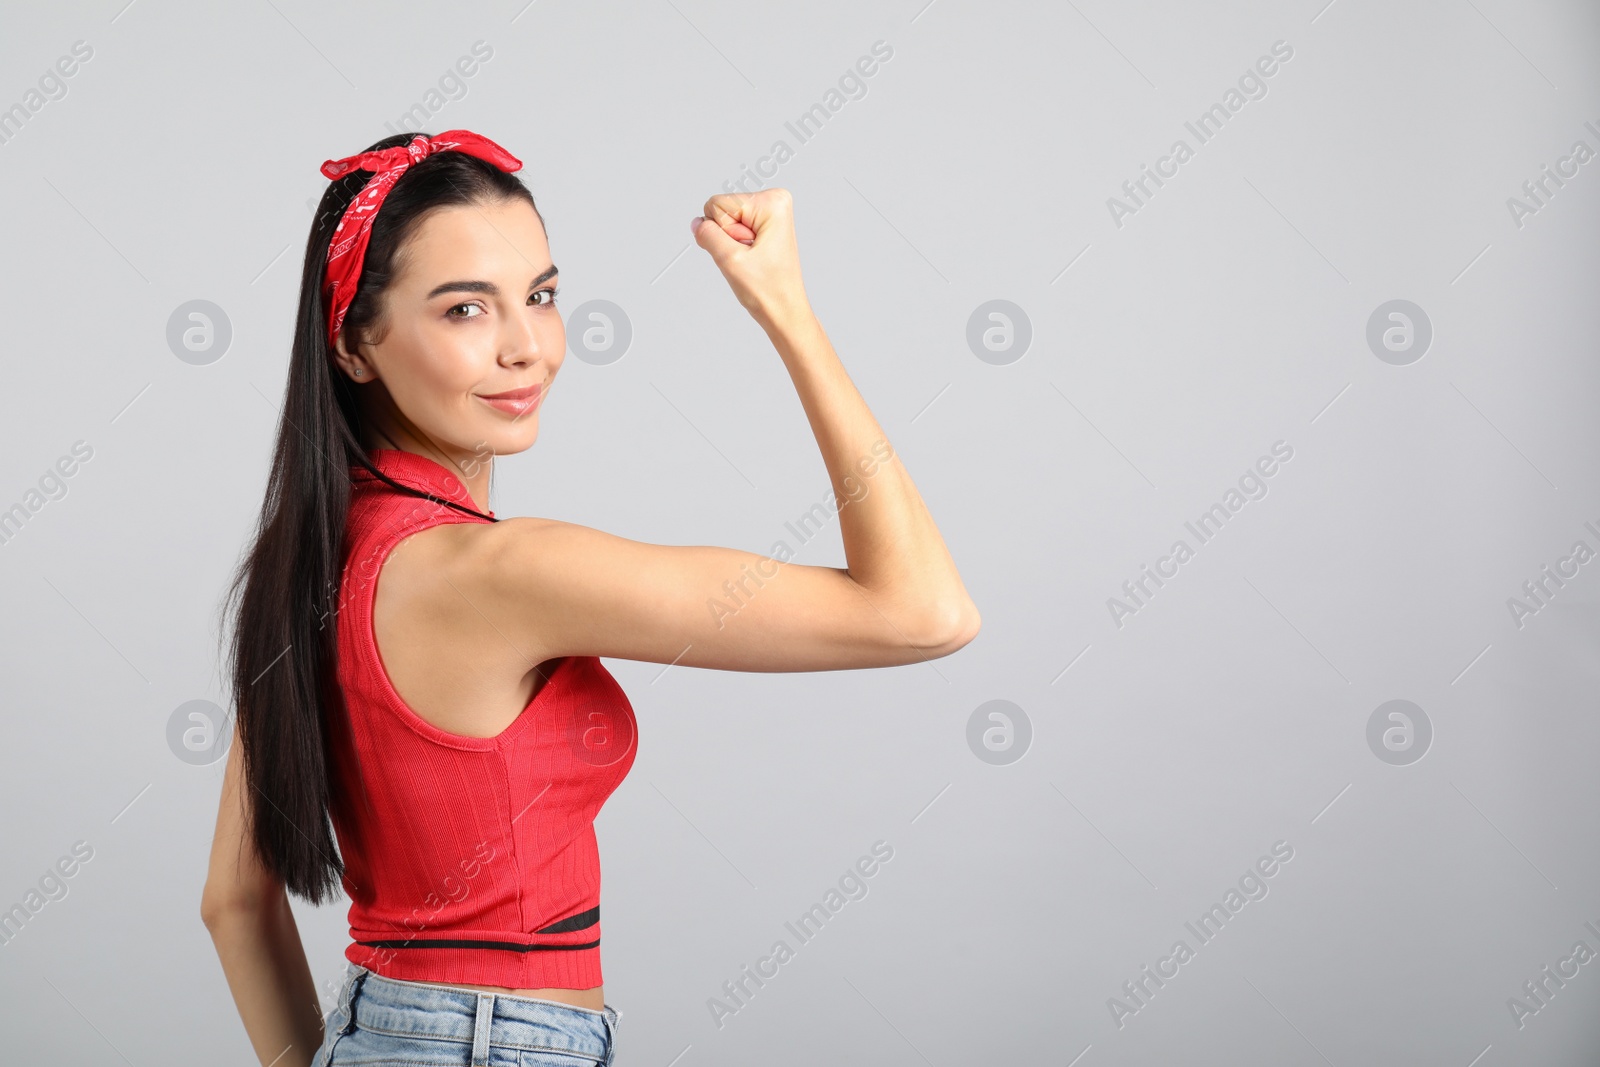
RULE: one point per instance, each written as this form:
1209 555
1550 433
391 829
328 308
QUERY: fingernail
694 223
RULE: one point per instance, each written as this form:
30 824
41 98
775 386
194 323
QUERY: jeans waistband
476 1018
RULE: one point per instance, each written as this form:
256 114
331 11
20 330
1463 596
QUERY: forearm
893 548
271 982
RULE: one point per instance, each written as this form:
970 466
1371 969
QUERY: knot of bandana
348 248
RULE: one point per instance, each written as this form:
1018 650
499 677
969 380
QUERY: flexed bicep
568 589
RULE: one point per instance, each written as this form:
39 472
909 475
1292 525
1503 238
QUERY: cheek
439 389
434 376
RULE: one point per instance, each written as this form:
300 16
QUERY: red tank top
466 859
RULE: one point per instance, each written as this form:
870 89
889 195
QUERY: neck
471 467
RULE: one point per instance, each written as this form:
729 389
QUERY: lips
514 394
514 401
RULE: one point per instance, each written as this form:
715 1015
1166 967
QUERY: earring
358 372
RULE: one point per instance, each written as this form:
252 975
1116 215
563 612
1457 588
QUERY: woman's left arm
247 912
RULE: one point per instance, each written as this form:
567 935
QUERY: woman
460 768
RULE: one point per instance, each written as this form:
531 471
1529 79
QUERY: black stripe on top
581 921
509 946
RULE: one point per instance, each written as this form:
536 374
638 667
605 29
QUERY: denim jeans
383 1020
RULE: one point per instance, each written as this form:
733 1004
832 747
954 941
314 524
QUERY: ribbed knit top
466 859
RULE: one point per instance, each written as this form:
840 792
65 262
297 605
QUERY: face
469 318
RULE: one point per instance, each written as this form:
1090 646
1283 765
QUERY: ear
351 364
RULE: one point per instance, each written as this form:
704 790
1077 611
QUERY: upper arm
235 877
569 589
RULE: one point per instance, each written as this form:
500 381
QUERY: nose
519 341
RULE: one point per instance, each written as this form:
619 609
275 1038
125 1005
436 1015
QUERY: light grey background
1168 354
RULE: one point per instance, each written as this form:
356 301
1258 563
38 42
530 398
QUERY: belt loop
480 1030
347 996
611 1017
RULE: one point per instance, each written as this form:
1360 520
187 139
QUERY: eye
449 313
552 293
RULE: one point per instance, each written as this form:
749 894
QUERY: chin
520 440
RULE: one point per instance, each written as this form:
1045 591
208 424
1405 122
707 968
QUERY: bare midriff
593 999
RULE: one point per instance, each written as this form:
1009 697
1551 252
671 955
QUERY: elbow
214 909
218 908
952 627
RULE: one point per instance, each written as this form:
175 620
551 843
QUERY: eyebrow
487 288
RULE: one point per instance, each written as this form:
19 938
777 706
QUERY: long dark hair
284 595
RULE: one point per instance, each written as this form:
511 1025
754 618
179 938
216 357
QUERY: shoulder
461 576
511 557
452 561
469 547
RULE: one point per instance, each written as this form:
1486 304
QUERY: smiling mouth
516 401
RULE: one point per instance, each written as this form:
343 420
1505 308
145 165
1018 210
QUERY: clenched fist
751 239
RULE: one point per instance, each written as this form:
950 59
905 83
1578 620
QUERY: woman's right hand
751 239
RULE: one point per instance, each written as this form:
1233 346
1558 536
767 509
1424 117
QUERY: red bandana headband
348 248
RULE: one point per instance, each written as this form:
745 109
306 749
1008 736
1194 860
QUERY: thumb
711 237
